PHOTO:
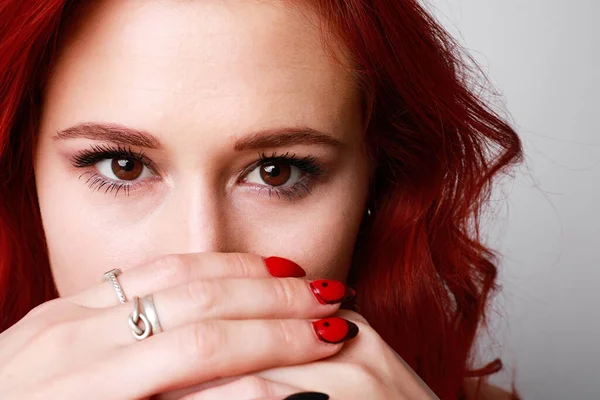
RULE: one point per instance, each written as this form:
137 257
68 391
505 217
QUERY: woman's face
192 126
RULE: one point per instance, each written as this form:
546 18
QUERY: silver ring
134 319
112 277
150 311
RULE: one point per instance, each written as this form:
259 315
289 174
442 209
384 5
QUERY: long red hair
422 273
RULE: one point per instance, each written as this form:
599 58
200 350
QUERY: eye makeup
125 163
121 170
304 171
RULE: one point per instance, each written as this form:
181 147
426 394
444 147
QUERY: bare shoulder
487 392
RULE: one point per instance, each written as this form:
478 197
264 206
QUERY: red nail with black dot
283 268
330 292
335 330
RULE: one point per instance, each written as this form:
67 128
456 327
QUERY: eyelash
309 166
96 153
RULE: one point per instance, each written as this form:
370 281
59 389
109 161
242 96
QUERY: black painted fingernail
308 396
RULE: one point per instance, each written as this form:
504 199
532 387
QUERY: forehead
232 62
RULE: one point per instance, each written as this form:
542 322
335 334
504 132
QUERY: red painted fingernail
284 268
335 330
331 292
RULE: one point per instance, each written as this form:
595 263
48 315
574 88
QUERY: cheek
81 244
82 229
71 240
325 247
321 240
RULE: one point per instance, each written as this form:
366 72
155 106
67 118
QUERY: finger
236 298
205 351
345 380
248 387
175 270
179 393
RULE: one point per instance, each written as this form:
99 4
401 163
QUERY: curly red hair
422 273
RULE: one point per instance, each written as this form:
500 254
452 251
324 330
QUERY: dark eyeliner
308 164
97 153
310 167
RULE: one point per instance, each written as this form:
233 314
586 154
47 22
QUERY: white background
544 58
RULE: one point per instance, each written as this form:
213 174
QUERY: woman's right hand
222 314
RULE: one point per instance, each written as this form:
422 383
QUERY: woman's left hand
366 368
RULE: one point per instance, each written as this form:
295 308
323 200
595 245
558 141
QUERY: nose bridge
189 221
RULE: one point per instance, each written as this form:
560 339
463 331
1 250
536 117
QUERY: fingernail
284 268
335 330
330 292
308 396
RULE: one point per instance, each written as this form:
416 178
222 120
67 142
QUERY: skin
198 76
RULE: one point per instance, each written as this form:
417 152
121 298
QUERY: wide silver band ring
112 277
150 311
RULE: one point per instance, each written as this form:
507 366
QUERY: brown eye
127 169
275 174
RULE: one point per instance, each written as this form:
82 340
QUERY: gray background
544 57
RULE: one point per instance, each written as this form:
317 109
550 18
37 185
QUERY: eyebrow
285 137
111 133
268 138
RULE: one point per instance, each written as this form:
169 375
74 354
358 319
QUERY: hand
366 368
215 324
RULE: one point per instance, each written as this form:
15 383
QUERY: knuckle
286 293
205 295
46 308
204 342
242 263
287 335
58 335
173 268
46 315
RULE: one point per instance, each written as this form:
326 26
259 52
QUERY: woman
239 162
